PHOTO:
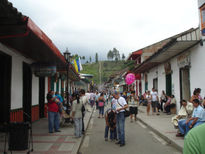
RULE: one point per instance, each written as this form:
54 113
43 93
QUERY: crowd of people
190 115
74 108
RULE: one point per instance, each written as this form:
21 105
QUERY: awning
173 48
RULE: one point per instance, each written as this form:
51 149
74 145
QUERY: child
110 119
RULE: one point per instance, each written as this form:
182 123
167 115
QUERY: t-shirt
92 96
121 102
199 113
77 108
154 96
195 140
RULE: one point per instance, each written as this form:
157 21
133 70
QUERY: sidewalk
56 143
162 126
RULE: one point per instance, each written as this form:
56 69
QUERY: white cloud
93 26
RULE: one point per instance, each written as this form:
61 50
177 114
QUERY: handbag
100 104
127 113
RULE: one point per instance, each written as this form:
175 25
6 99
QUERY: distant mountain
106 68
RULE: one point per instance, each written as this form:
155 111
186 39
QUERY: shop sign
41 70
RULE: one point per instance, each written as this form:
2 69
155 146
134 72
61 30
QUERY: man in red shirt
53 114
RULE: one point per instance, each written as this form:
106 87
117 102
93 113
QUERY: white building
177 67
24 87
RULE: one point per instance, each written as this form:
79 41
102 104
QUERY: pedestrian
196 95
92 99
60 103
155 100
163 99
171 103
133 102
198 117
148 100
96 99
101 104
110 120
77 114
194 141
83 110
53 112
121 105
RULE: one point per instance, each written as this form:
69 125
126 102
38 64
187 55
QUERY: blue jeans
53 121
182 126
101 110
78 127
195 125
113 133
121 127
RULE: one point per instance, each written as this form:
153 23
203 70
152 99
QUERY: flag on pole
78 63
81 67
75 65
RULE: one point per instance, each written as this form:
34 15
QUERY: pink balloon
130 78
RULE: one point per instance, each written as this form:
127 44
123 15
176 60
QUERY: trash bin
18 136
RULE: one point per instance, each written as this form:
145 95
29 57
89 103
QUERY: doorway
27 92
41 96
169 84
155 83
185 83
5 90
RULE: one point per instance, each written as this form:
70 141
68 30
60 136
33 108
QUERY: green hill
107 69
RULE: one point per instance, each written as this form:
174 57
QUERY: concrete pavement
162 126
139 140
56 143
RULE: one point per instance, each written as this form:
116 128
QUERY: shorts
133 110
154 104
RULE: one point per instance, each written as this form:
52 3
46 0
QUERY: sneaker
50 132
57 131
121 145
179 135
106 139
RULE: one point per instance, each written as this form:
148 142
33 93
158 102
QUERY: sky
89 26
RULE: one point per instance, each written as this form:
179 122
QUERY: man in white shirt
92 99
155 100
120 105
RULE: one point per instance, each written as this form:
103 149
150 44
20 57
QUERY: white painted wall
197 70
17 79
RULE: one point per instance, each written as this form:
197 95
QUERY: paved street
139 140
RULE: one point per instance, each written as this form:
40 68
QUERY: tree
96 57
123 56
116 54
110 55
90 59
83 57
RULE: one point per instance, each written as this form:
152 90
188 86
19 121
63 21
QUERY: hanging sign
42 70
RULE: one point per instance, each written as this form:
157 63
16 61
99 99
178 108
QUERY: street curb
79 143
171 142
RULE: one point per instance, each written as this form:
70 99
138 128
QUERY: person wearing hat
120 105
184 112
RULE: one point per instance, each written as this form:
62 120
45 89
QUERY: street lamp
67 56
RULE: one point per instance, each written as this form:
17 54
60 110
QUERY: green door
146 86
169 84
